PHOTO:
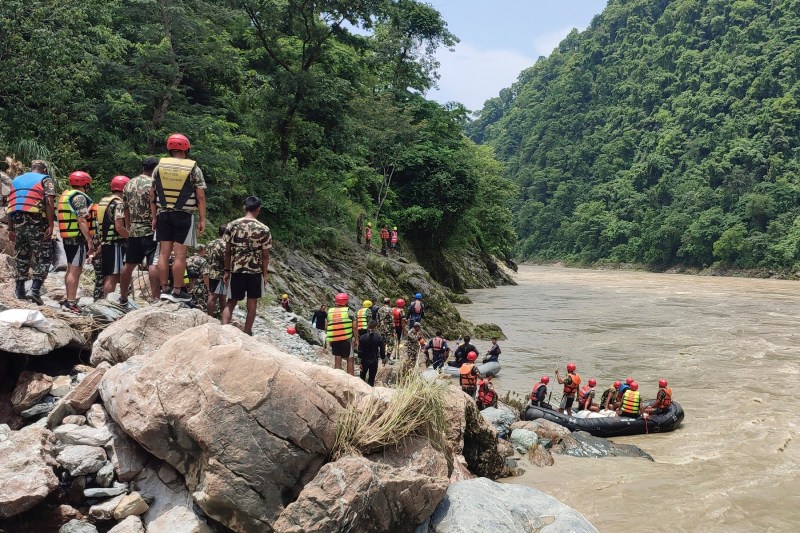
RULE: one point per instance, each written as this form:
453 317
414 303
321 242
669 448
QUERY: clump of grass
515 401
416 408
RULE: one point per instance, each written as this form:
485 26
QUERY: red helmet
118 183
634 386
472 356
662 383
592 382
400 302
629 381
341 299
571 367
176 141
545 380
79 178
617 384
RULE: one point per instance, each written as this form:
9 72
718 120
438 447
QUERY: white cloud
471 75
545 43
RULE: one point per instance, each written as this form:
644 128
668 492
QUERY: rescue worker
608 400
393 237
571 383
368 237
359 227
197 272
539 392
141 246
76 226
247 246
413 346
461 353
363 316
586 396
340 332
494 352
384 240
374 308
13 169
399 322
178 192
440 350
386 326
663 399
284 302
319 320
625 386
31 217
631 405
416 309
370 348
487 396
111 228
217 291
468 375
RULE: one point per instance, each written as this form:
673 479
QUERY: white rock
76 526
171 510
105 510
26 470
132 524
96 416
105 476
88 436
5 432
80 460
131 505
61 386
125 454
78 420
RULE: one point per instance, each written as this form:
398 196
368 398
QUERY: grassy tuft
515 401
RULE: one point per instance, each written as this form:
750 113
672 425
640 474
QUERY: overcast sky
499 39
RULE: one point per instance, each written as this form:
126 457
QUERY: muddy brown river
730 349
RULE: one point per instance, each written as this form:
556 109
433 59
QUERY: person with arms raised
571 383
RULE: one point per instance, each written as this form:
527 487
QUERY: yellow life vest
364 315
340 325
630 403
68 218
172 184
105 224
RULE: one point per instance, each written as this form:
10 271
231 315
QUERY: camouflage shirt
197 267
136 199
80 204
248 238
215 253
197 180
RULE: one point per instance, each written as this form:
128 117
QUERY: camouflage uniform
32 249
386 328
248 237
97 265
136 199
215 254
412 348
199 265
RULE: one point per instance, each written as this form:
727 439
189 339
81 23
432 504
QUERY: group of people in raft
619 399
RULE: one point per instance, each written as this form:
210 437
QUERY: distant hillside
666 133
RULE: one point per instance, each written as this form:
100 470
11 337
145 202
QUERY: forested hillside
666 133
314 106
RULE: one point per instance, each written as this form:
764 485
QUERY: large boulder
244 423
381 493
144 331
581 444
501 417
483 505
471 438
26 470
31 387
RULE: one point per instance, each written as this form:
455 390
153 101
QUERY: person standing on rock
198 273
571 383
113 233
416 309
359 227
76 226
384 240
399 322
363 317
31 217
178 192
370 348
217 291
539 392
393 238
386 326
320 320
368 237
340 332
247 246
141 245
414 339
285 304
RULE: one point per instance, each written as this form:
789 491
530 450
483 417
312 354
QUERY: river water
730 348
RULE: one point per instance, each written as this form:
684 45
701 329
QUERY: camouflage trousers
200 295
97 264
390 339
33 250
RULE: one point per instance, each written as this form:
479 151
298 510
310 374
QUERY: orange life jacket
486 395
384 234
438 344
572 387
394 237
630 403
397 316
536 389
667 401
368 233
468 379
582 396
27 193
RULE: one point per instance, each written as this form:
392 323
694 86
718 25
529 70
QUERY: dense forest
667 133
315 106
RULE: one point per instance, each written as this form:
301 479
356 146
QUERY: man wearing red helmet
468 375
340 332
631 405
399 321
112 231
539 392
178 192
76 226
586 396
609 399
663 399
571 384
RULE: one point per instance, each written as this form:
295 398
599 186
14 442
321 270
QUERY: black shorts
112 258
216 287
76 252
341 348
140 249
566 402
399 332
175 226
241 285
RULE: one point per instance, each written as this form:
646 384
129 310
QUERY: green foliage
666 133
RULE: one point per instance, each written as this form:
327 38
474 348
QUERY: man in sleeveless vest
340 333
178 192
31 217
76 226
113 233
141 245
247 246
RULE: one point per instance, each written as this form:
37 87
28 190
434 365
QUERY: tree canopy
666 133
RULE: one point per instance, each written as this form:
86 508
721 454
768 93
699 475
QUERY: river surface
730 348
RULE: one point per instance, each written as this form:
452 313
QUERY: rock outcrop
26 470
581 444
